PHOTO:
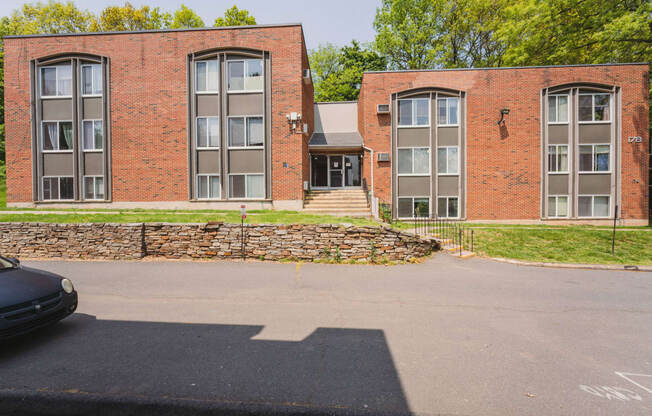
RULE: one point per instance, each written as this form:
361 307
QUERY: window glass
421 111
601 109
48 81
586 158
452 160
442 159
237 186
211 75
89 187
441 111
50 139
213 131
200 76
552 206
600 206
562 158
254 75
562 108
236 76
214 186
421 207
452 207
99 187
405 207
421 161
255 135
452 110
98 133
236 132
552 109
404 161
602 158
87 79
562 206
97 79
442 208
255 186
202 189
65 188
202 132
405 113
50 188
584 206
87 132
64 80
65 135
586 108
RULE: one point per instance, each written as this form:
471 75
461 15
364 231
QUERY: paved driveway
449 336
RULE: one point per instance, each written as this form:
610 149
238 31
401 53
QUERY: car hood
24 284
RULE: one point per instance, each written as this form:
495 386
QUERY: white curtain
67 134
52 137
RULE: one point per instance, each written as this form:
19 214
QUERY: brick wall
504 171
149 106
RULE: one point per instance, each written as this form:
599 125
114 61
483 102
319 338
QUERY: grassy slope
3 193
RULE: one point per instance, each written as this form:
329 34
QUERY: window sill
93 150
215 92
411 174
91 95
56 151
448 174
52 97
419 126
246 147
558 173
595 122
208 148
594 172
558 123
448 125
244 91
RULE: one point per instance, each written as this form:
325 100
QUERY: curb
612 267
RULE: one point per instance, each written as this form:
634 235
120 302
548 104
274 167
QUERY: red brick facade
149 111
504 164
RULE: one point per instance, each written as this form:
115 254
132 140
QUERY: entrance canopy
336 127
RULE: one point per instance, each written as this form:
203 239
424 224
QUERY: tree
235 17
128 18
408 32
337 73
185 18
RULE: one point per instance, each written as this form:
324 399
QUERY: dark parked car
31 299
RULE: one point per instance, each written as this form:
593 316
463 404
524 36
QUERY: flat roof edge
335 102
131 32
503 67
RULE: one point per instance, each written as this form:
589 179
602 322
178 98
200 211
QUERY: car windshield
5 264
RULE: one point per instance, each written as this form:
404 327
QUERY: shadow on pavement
88 366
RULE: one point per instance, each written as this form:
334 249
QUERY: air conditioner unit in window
306 76
382 109
383 157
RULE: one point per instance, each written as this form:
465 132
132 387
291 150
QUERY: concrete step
335 204
336 198
340 213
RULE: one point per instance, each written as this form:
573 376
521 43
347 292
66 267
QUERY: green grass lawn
570 244
3 193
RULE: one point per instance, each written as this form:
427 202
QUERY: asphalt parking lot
449 336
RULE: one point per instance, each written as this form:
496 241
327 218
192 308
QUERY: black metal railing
451 233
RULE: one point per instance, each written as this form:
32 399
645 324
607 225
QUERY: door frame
328 172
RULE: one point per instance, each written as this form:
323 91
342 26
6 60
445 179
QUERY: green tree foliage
337 72
235 17
185 18
129 18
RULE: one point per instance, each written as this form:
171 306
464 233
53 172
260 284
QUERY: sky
334 21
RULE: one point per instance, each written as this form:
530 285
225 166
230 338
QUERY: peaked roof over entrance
336 127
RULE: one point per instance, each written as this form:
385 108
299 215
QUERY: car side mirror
14 260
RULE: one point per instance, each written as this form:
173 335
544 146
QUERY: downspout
369 149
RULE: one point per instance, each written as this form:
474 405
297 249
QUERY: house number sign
634 139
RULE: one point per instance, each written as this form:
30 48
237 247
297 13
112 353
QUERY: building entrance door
335 171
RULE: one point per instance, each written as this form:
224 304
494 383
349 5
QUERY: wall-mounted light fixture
503 113
293 119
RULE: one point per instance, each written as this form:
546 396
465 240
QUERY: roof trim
132 32
502 67
335 102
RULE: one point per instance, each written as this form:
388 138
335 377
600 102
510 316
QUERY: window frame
81 80
215 91
58 177
447 197
556 96
209 175
412 198
40 86
593 159
43 150
558 172
556 196
592 196
219 133
95 198
593 120
448 113
246 132
244 75
414 113
245 183
412 148
458 161
93 120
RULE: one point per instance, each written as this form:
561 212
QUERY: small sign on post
243 215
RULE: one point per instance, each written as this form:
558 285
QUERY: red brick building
212 118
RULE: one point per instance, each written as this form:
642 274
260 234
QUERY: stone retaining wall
213 240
